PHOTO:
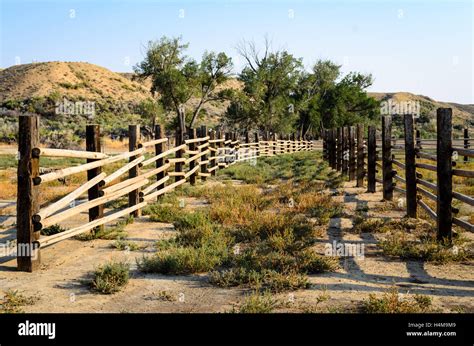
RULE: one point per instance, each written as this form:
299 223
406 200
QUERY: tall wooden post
418 139
213 154
339 150
133 140
204 157
257 140
444 173
159 148
28 252
345 152
360 155
93 144
325 144
192 164
178 166
371 159
410 168
387 158
352 154
466 142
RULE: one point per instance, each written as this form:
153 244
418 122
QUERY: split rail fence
348 150
152 168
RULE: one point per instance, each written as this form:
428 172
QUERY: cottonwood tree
176 78
269 79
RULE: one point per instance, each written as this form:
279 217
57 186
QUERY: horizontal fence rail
147 171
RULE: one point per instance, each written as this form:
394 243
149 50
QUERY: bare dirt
60 284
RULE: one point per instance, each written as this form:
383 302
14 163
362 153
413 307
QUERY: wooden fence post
466 142
28 252
339 150
444 173
274 144
418 139
133 140
257 140
178 166
325 145
345 150
192 164
352 154
360 155
159 148
410 168
387 170
204 157
371 159
332 149
93 144
212 156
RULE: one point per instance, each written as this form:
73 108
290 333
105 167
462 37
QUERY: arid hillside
76 80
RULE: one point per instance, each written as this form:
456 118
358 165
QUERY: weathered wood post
133 140
257 140
466 142
192 164
332 149
212 156
325 145
339 150
360 155
93 144
204 158
371 159
28 252
444 173
410 168
274 144
159 148
178 166
418 139
345 150
387 170
352 154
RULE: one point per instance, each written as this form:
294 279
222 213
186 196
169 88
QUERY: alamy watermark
66 107
391 107
340 249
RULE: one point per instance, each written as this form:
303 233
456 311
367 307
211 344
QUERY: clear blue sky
419 46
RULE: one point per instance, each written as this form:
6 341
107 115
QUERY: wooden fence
154 167
357 156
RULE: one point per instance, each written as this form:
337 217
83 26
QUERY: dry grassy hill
76 80
461 113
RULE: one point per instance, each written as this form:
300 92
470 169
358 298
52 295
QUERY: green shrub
111 277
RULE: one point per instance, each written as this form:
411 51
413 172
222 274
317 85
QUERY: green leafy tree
176 78
269 82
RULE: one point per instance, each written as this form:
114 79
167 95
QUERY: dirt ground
60 284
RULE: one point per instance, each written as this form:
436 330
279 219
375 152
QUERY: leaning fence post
466 142
133 140
371 159
93 144
410 168
352 157
28 252
203 162
387 170
360 155
325 145
444 172
332 148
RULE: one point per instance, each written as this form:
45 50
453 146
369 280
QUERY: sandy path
60 287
